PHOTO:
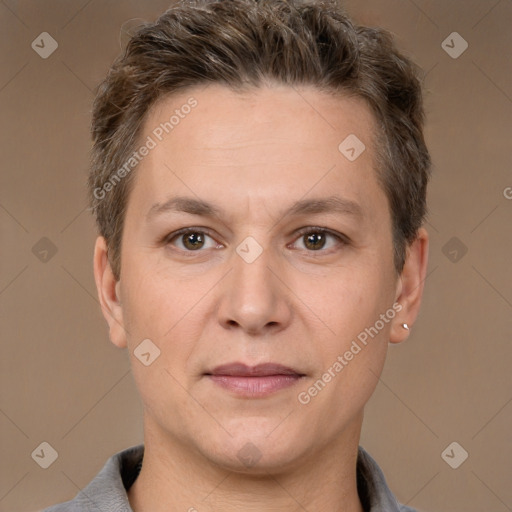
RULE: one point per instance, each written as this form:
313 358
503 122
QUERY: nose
254 296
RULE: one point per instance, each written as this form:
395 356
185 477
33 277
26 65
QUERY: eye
317 239
191 239
314 239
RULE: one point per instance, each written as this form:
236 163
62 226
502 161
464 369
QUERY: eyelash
341 239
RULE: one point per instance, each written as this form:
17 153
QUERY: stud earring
405 326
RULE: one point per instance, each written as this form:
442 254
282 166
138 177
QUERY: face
252 241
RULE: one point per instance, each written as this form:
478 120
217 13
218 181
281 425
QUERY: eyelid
319 229
341 238
183 231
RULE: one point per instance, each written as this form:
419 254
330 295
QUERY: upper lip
260 370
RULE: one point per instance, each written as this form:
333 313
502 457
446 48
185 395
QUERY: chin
256 446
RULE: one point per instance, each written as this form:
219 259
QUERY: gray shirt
107 491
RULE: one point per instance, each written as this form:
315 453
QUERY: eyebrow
192 206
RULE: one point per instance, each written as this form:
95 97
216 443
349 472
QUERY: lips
260 370
254 381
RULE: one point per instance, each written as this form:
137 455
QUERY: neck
177 477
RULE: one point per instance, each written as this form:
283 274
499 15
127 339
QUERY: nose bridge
251 267
254 298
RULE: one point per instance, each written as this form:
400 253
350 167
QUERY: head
247 106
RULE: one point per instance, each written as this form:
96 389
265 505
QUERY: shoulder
373 490
107 491
68 506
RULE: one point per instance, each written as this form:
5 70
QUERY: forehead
231 118
266 143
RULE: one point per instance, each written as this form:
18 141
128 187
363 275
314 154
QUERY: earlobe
410 288
108 293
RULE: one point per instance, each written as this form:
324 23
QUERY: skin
254 155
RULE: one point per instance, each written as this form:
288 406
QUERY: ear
410 286
108 293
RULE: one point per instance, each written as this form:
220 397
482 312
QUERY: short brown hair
244 43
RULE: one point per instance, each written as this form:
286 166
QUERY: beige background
64 383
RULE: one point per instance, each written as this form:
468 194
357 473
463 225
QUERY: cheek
155 304
160 311
168 311
344 301
349 372
349 308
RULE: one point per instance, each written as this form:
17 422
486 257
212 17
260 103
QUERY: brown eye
314 241
320 240
193 241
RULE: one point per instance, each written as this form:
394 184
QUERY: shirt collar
107 491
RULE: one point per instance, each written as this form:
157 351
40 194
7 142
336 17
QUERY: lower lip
255 386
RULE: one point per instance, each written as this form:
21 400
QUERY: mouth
254 381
